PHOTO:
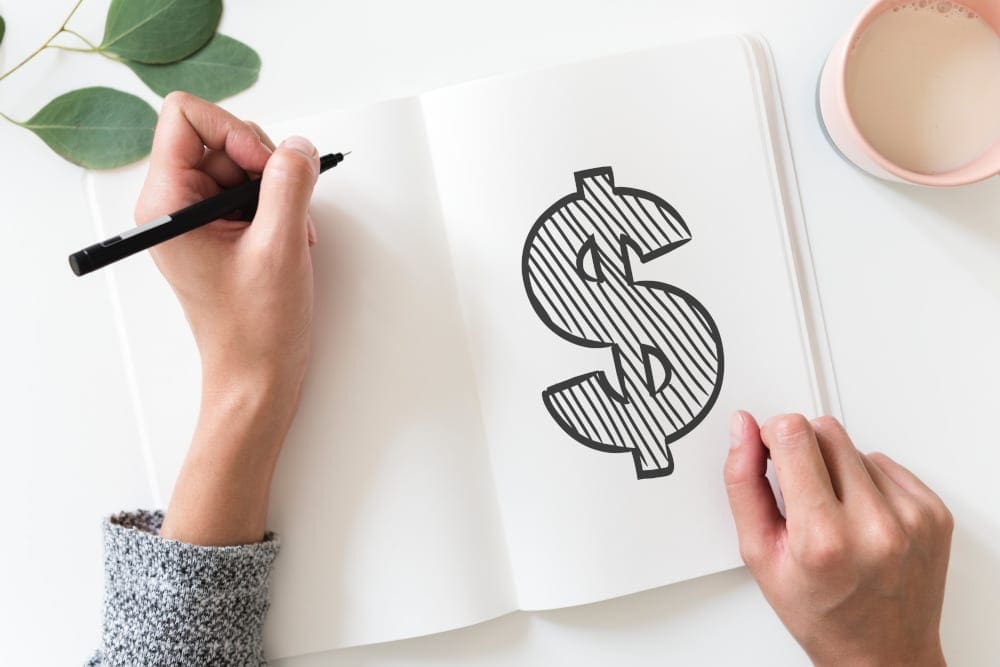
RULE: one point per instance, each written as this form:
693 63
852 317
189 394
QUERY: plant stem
70 15
9 119
30 56
45 45
97 50
75 49
93 47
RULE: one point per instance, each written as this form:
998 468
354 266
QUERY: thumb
285 189
754 508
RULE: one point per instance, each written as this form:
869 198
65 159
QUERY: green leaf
159 31
98 127
3 29
223 68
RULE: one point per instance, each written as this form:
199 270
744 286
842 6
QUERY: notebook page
383 497
681 124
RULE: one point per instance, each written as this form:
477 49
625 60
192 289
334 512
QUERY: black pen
242 198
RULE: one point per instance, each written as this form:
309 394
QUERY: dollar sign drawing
667 350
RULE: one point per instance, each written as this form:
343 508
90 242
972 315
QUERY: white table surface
909 281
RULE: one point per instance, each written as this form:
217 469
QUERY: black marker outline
589 247
625 243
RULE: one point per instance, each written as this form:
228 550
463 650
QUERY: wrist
221 373
250 411
220 497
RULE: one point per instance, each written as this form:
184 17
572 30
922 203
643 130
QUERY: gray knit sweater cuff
171 603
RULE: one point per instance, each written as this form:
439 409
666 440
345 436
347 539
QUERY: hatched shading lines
666 349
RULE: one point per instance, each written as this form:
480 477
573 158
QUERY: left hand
856 567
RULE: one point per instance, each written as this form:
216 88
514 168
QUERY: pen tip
347 153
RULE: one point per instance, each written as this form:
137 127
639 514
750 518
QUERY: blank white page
684 123
383 496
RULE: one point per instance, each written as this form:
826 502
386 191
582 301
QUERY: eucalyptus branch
47 44
30 56
70 15
168 47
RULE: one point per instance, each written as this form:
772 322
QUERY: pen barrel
241 199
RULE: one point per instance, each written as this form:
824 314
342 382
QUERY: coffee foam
942 7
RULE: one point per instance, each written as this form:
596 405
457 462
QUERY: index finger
799 466
189 124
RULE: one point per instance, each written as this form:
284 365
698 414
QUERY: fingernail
736 429
300 144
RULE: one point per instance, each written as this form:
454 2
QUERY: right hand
246 290
856 568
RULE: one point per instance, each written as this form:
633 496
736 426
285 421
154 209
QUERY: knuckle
822 549
254 128
291 165
890 546
789 428
886 539
753 554
944 518
913 518
828 424
176 99
879 459
938 516
926 519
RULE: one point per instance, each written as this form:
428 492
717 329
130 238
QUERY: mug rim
966 174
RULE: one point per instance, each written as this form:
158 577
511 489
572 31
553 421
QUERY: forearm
194 589
220 497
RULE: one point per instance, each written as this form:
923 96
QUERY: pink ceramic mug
843 130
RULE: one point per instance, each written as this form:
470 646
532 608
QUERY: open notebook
539 299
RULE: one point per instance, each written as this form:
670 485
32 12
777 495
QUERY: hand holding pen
237 202
247 292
